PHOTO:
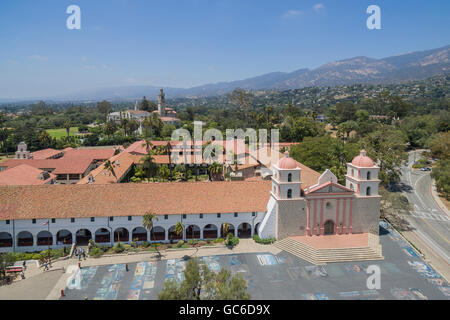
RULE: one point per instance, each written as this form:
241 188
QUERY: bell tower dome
286 181
362 176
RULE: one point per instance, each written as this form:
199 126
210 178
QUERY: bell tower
286 182
362 176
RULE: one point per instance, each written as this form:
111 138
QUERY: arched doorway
64 237
102 235
121 234
139 234
158 234
193 232
230 230
6 240
244 230
173 235
210 231
44 238
83 236
256 231
25 239
328 227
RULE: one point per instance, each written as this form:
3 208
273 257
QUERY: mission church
308 213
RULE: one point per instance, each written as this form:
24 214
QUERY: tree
145 105
215 169
45 139
440 146
110 128
346 111
104 107
6 260
148 145
164 172
150 167
148 222
386 147
441 173
179 227
242 99
347 127
109 166
202 283
4 134
67 126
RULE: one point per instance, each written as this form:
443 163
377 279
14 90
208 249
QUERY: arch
64 237
328 227
368 191
6 240
256 231
193 232
290 177
44 238
139 233
25 239
230 229
173 235
244 230
83 236
102 235
158 234
368 175
121 234
289 193
210 231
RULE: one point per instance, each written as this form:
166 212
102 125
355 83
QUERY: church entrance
329 227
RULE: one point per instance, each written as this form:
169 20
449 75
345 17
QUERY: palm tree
109 166
67 126
215 169
179 229
225 229
147 223
148 145
169 153
150 167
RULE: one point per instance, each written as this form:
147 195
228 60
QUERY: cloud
318 7
83 59
38 57
292 14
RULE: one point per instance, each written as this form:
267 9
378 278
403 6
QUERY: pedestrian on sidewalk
24 265
126 266
45 266
23 275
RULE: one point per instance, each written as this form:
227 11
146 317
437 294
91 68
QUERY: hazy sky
183 43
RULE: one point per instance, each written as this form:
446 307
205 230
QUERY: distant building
22 152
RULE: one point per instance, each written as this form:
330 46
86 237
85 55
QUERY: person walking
23 275
45 266
126 267
24 265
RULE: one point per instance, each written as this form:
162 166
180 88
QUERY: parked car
425 169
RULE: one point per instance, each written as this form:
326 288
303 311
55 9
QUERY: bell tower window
289 193
368 191
368 175
290 177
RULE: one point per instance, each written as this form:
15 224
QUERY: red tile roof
91 153
57 166
23 175
132 199
45 154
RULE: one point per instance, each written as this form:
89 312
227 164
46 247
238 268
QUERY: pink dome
287 162
363 160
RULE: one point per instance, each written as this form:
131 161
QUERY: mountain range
364 70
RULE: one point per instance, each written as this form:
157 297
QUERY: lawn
59 133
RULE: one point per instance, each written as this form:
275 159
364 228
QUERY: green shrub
118 247
192 242
180 244
96 252
231 240
37 256
145 244
218 240
257 239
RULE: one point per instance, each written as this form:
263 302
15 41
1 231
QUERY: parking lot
404 275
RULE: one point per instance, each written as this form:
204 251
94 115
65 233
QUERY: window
33 221
368 191
7 221
184 216
290 177
201 215
53 220
328 205
111 218
353 173
289 193
253 214
368 175
218 215
130 218
235 214
166 216
92 219
72 220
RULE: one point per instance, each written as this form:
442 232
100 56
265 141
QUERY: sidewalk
437 199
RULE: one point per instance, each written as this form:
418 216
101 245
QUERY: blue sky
183 43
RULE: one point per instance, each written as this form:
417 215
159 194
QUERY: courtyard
404 276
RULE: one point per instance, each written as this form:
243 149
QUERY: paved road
431 224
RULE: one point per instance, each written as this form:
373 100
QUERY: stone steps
324 256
